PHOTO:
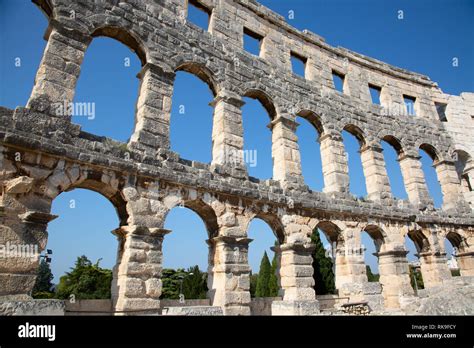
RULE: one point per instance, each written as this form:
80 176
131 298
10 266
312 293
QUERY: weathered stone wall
43 154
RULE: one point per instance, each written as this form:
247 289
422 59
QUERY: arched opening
392 150
263 260
429 157
106 92
22 50
453 245
416 243
353 142
186 272
465 168
327 257
310 150
82 245
192 114
372 241
257 134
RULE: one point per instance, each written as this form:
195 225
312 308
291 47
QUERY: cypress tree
273 285
322 265
263 280
371 277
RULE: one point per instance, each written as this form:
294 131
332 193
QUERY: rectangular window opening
375 93
338 80
198 14
410 104
441 110
252 42
298 64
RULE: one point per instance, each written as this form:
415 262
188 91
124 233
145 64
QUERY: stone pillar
373 163
229 280
350 275
227 131
334 163
450 185
394 276
136 287
468 183
350 267
434 268
285 151
56 79
465 261
297 282
22 239
153 111
414 180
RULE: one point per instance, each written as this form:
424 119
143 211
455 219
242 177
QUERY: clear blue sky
431 34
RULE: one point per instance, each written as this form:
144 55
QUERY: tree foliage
43 285
194 285
85 281
265 282
322 267
416 274
371 277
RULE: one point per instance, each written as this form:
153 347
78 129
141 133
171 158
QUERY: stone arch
464 167
271 220
46 7
313 119
357 132
430 151
264 99
394 142
418 238
457 240
202 72
126 37
89 179
377 234
203 210
332 231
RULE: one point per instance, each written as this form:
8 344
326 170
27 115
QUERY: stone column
56 79
434 268
468 183
414 180
373 164
465 261
350 275
136 287
22 239
285 151
394 276
229 283
227 132
450 185
334 163
297 282
153 111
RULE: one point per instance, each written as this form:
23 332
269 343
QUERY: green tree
85 281
43 284
263 281
253 284
322 266
415 273
171 283
371 277
273 283
195 284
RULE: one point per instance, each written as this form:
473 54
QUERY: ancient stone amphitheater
43 154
